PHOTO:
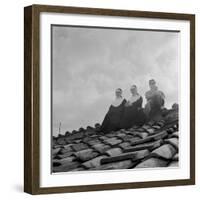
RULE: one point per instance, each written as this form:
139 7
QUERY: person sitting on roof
112 119
133 112
155 102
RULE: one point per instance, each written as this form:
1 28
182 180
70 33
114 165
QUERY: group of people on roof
124 114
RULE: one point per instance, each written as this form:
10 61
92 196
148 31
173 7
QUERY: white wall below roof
11 101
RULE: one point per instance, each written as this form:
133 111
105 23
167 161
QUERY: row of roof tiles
153 145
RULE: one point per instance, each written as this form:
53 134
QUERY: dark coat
133 115
113 117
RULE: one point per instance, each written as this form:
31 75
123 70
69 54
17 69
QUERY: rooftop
154 144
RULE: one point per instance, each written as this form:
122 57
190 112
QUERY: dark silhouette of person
133 113
112 119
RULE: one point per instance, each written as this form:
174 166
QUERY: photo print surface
114 98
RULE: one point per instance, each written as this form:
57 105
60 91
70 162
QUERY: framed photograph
109 99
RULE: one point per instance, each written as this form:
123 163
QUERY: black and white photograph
109 99
115 98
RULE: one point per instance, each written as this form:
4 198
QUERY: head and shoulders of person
135 96
153 90
119 99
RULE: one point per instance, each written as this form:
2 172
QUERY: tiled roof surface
154 144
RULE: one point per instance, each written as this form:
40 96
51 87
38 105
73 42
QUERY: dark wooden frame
32 105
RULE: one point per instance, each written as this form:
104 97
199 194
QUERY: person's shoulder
147 93
161 92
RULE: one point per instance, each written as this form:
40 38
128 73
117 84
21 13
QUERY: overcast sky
90 63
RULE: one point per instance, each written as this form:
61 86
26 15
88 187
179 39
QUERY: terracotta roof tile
55 146
152 162
142 134
95 162
124 156
103 137
78 169
55 151
146 126
156 127
71 137
120 135
115 165
86 139
61 141
123 145
148 145
161 123
113 141
166 151
134 139
141 129
79 147
86 154
65 155
101 148
67 146
175 134
68 166
126 137
93 142
173 164
173 142
64 160
66 150
114 151
176 157
170 130
154 137
111 134
150 131
77 141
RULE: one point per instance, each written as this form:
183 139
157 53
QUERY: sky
88 64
